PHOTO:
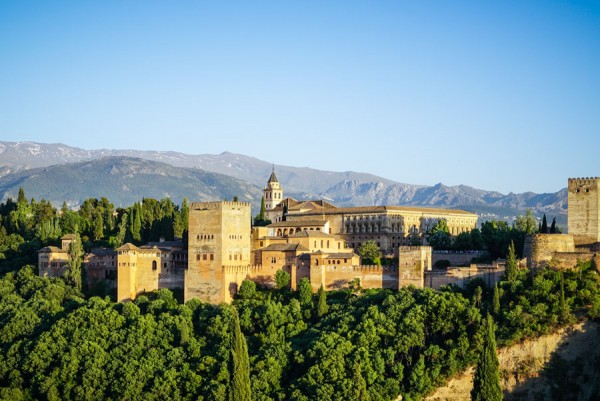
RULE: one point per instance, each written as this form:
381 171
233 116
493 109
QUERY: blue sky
496 95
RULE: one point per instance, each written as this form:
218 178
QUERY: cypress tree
512 268
564 308
21 197
496 301
544 225
74 274
261 216
322 307
239 389
486 383
553 226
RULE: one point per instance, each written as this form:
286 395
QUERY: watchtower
219 236
583 206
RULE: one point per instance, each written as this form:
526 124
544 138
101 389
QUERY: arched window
154 265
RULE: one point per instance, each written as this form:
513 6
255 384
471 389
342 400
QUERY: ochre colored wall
221 231
540 248
583 204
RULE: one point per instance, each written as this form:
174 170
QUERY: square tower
584 202
219 236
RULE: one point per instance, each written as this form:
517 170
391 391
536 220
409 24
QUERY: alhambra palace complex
310 239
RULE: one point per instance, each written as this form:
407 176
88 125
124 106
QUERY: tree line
28 225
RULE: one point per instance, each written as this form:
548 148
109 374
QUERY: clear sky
498 95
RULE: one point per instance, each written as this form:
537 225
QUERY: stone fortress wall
582 243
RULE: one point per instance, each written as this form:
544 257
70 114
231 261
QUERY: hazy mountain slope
124 181
341 188
24 155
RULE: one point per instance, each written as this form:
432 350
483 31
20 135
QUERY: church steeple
273 193
273 177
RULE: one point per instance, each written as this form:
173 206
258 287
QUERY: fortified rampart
539 249
455 258
583 206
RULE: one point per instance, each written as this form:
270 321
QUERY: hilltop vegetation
58 343
55 344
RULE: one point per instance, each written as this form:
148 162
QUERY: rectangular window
212 256
198 256
204 257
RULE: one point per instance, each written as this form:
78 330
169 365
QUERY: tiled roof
384 209
349 255
298 223
311 233
286 247
128 247
51 249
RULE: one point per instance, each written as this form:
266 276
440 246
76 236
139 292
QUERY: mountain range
60 173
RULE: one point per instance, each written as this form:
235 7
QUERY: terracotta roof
128 247
311 233
102 251
385 209
286 247
298 223
311 204
51 249
166 244
340 255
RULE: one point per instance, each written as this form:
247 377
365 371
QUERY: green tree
74 273
369 252
304 291
496 300
21 197
322 307
247 289
282 279
260 219
512 268
554 228
527 224
544 225
239 389
486 383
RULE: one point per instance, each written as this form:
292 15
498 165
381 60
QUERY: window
212 256
273 260
197 256
204 257
154 265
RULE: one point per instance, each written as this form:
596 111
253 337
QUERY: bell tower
272 193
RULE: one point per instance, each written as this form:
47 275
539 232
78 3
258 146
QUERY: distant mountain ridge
124 180
17 159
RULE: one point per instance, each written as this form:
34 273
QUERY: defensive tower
583 206
219 236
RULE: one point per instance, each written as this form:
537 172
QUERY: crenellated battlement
242 268
214 205
575 183
414 248
360 268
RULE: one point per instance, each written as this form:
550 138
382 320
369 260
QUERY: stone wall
219 235
583 205
412 263
455 258
540 248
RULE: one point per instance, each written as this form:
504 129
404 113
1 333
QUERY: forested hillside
55 344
